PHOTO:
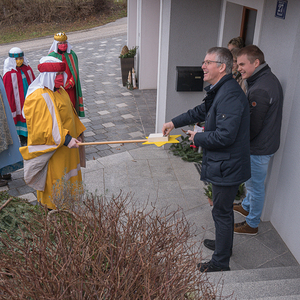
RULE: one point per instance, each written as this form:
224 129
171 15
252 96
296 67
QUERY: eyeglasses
208 62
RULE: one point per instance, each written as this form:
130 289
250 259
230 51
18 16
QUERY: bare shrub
39 11
109 249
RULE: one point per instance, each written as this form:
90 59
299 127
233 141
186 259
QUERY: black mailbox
189 79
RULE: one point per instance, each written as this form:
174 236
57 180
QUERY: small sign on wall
281 9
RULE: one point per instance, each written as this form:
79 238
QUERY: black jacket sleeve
222 124
67 140
259 102
192 116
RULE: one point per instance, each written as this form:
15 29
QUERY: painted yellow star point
172 140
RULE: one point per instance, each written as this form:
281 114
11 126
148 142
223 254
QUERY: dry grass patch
28 19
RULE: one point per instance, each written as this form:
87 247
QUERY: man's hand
191 134
73 143
167 127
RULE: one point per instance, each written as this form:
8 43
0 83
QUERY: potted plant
127 62
208 192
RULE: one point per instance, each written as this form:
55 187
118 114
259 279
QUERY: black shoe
6 176
211 245
210 267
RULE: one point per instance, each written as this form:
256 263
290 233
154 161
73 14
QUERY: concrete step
264 274
262 289
290 297
269 283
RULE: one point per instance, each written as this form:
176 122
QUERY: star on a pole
172 140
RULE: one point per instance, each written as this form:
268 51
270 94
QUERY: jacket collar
215 88
211 92
257 73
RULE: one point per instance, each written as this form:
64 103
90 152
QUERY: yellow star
172 140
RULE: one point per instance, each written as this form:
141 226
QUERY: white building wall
280 42
233 18
193 29
148 39
163 61
131 23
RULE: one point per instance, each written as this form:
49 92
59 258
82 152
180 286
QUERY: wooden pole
112 142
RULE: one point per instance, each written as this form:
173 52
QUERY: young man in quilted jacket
265 97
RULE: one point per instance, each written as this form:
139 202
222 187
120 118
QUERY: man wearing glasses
226 146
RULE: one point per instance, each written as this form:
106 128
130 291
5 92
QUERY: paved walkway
149 173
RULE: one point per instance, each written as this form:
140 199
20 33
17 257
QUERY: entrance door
248 25
241 18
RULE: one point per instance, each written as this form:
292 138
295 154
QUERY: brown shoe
244 228
239 209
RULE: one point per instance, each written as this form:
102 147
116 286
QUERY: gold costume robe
50 116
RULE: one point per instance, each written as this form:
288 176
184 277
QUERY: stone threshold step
254 275
262 289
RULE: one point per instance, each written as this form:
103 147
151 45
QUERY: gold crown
60 37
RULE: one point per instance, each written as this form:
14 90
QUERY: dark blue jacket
225 140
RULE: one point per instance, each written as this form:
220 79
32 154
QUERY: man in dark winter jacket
265 98
225 144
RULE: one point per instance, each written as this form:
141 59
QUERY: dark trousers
223 197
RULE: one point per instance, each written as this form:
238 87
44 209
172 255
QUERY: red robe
15 92
70 84
73 86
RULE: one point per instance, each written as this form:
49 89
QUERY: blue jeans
255 197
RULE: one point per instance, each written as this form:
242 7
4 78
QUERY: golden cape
50 116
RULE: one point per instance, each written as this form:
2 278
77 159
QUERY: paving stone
13 192
90 149
16 183
85 121
4 188
93 156
31 197
115 145
18 174
126 94
121 105
127 116
104 153
25 189
88 133
136 134
109 124
94 182
100 132
102 147
103 112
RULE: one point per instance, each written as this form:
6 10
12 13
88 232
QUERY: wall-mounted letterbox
189 79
